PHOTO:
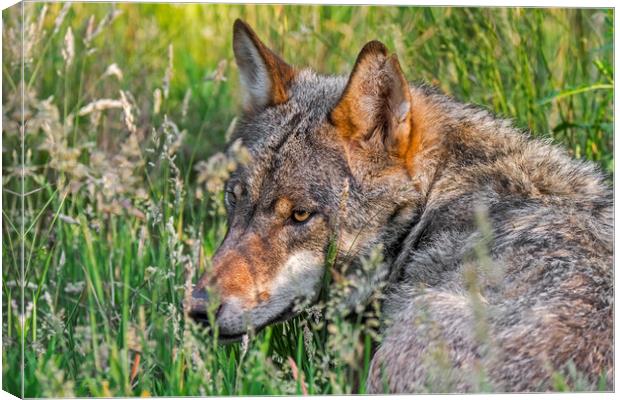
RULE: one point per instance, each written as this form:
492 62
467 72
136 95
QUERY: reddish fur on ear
347 116
375 106
399 138
265 75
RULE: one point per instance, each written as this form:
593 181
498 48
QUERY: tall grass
122 211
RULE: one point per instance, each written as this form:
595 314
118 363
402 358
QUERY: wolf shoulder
536 201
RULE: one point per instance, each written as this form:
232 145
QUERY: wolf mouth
284 315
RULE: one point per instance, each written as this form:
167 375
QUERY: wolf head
332 159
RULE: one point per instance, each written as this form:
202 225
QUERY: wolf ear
264 76
375 107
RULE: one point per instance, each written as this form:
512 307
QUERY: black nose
199 306
200 295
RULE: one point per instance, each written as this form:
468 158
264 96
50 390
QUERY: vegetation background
127 107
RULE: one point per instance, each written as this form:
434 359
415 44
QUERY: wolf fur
497 247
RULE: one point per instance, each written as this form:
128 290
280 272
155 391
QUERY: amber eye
300 215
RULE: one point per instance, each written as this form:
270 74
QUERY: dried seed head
90 28
129 120
100 105
219 74
168 74
156 101
68 51
114 70
61 17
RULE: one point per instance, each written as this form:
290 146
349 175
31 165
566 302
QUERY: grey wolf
372 160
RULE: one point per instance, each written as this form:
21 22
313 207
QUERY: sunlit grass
121 216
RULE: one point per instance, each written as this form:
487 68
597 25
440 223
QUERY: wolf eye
232 194
230 198
300 215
